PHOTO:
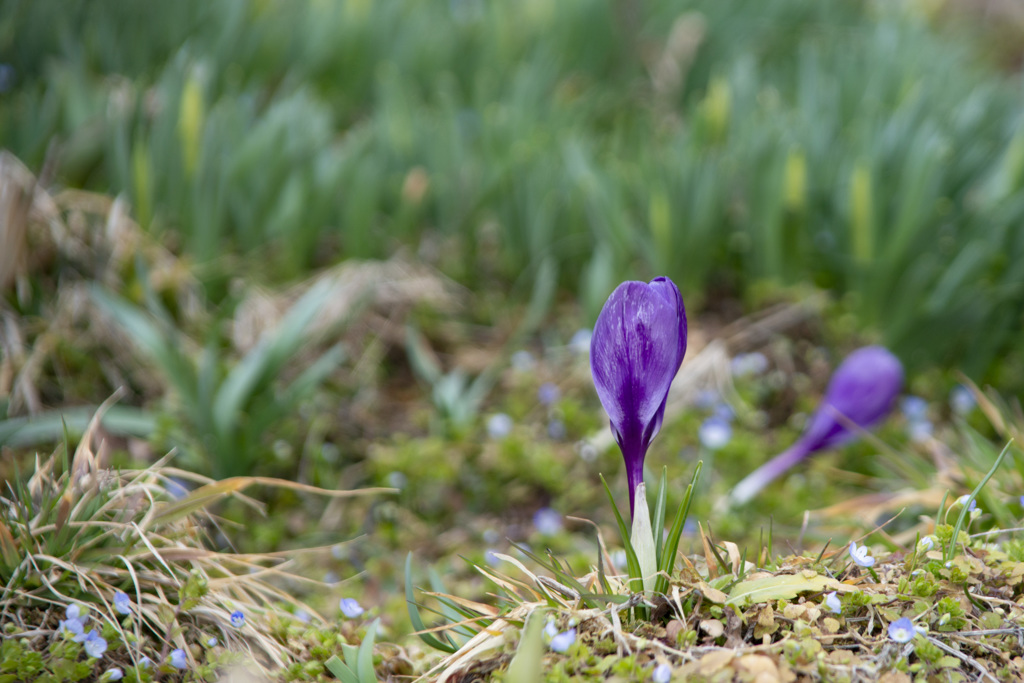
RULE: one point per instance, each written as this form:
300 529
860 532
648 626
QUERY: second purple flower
636 349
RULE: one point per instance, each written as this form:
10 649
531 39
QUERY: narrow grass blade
414 614
668 557
636 583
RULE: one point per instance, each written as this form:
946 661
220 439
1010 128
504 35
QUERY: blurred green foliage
721 142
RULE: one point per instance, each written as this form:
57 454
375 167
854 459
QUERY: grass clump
110 572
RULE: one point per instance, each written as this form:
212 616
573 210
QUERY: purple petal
636 350
863 390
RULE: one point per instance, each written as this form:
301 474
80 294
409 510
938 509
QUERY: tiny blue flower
724 411
178 660
499 426
962 500
961 400
925 544
914 408
747 364
861 555
714 433
902 630
350 607
619 558
491 557
522 361
303 616
122 603
556 429
95 645
832 602
237 619
547 521
1021 501
580 342
662 673
75 627
145 662
114 674
211 641
919 431
548 393
397 480
550 630
706 399
331 577
563 641
176 488
74 611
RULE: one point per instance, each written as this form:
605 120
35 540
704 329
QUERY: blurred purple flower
861 392
548 393
662 673
211 641
237 619
914 408
556 429
547 521
637 347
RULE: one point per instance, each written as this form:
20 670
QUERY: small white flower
861 555
832 602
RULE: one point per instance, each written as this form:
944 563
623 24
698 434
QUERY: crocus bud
635 351
862 391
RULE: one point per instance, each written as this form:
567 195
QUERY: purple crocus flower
636 350
862 391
